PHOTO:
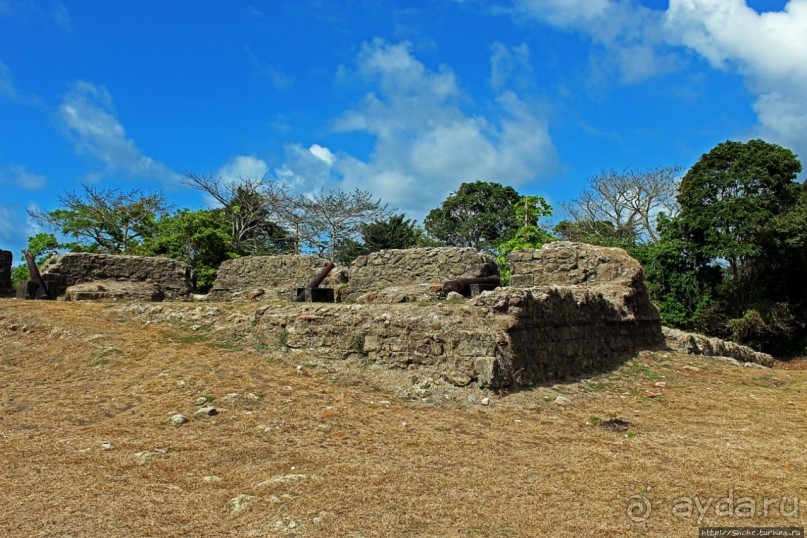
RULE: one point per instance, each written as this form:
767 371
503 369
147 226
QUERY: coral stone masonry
571 309
390 268
270 278
164 278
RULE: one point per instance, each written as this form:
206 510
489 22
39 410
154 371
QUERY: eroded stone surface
270 278
172 278
112 290
417 266
698 344
565 263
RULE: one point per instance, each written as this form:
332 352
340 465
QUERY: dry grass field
658 447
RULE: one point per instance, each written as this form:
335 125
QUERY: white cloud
629 36
768 49
305 171
280 79
243 166
19 176
32 226
9 90
89 117
510 64
426 143
322 153
6 85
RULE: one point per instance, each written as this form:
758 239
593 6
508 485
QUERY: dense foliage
529 210
742 213
729 258
479 215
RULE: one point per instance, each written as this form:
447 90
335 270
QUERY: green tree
730 198
395 232
41 246
478 215
683 291
601 232
105 220
199 238
253 208
528 210
741 211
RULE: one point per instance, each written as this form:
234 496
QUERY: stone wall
270 278
6 259
553 332
170 279
508 337
698 344
434 266
501 338
571 264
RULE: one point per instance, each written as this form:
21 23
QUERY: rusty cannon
35 288
471 286
312 292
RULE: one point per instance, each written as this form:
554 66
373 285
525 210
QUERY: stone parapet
270 278
170 278
428 266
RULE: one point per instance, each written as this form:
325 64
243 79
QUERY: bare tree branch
249 204
331 216
630 201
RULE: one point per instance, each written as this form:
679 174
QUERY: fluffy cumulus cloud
307 170
90 119
243 166
426 142
768 49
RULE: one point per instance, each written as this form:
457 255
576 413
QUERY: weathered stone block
172 278
277 277
417 266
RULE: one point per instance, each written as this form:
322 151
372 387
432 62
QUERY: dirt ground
661 446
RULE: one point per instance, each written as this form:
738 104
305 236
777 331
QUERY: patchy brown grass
334 449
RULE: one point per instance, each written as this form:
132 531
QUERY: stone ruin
572 309
414 274
270 278
82 276
584 309
6 259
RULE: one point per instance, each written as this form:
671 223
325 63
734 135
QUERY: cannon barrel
463 285
316 281
42 288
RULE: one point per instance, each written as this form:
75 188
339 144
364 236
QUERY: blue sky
404 99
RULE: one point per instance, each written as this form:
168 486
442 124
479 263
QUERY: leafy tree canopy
731 196
110 220
479 215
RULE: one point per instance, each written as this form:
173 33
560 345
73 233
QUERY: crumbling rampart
270 278
157 278
417 266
